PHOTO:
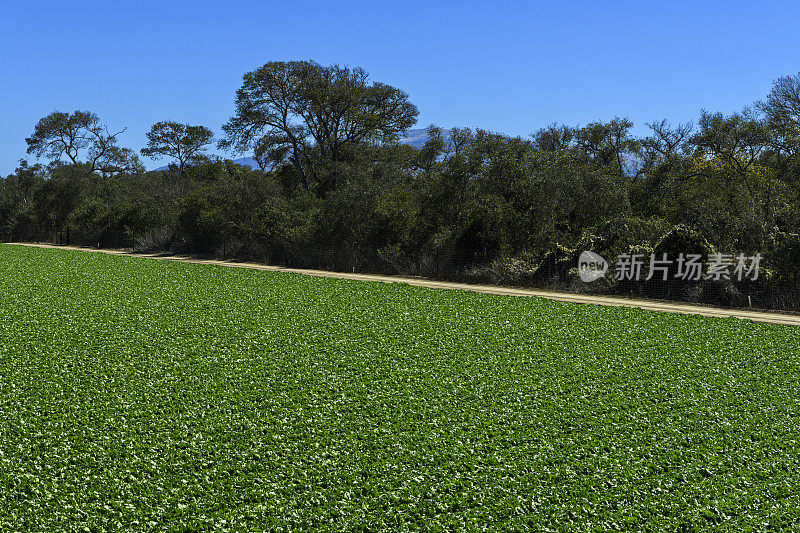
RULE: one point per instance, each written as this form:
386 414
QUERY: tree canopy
306 114
183 142
82 139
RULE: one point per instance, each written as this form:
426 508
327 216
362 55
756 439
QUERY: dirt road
756 316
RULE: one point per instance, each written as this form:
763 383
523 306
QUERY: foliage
335 189
183 142
72 135
308 115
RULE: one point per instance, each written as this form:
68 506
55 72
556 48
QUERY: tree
69 135
782 107
667 142
302 113
183 142
553 138
17 193
607 142
117 161
736 141
62 134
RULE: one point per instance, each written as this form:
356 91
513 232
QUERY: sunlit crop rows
152 395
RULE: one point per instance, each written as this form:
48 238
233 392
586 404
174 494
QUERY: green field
154 395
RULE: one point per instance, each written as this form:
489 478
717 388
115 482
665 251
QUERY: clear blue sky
511 67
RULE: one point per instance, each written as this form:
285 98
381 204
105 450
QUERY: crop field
150 395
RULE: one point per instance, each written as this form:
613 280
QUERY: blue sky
511 67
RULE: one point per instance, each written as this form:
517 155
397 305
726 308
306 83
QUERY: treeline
336 189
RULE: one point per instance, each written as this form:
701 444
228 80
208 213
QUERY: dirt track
756 316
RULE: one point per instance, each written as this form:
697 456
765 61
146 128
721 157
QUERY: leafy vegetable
154 395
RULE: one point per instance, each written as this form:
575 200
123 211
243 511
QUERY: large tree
782 108
736 141
301 113
606 143
183 142
83 140
781 111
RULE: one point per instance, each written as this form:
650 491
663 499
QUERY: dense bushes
471 205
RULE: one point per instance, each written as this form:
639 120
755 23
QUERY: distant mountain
244 161
415 138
